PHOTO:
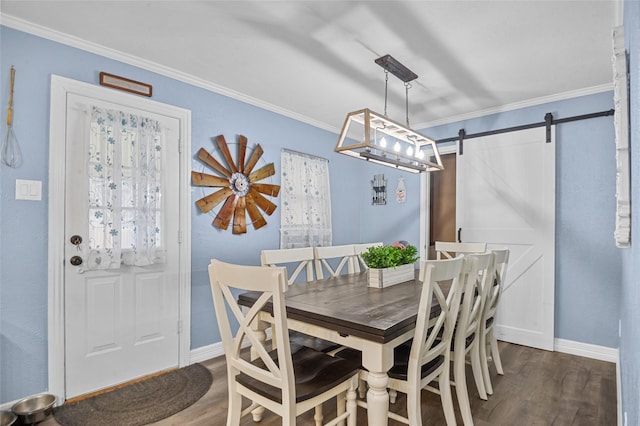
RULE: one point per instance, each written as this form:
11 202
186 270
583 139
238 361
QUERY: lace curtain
306 201
125 190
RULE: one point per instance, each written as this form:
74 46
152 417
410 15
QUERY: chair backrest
345 256
226 279
298 260
361 248
432 339
479 273
497 283
446 249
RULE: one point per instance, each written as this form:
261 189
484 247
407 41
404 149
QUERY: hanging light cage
374 137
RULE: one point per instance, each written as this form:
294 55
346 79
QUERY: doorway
442 203
112 324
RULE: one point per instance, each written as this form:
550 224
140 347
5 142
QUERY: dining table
346 310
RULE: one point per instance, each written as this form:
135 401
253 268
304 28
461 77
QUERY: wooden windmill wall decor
239 187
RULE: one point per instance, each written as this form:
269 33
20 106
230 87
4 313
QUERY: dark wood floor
538 388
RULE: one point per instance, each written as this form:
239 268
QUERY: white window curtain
125 190
306 201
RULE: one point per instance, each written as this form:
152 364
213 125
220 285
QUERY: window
306 201
125 190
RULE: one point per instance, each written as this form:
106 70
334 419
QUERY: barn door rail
548 122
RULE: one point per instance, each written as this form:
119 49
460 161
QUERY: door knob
75 260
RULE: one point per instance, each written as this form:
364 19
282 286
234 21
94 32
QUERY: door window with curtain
306 201
125 190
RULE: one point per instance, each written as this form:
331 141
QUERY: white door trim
60 86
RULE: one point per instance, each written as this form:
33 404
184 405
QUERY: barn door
506 198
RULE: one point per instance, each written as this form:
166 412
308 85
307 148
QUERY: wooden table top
349 306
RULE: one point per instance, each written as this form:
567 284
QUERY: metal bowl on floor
35 408
7 418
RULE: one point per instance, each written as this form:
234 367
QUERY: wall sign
121 83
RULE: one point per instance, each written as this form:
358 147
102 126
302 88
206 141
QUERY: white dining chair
343 257
488 341
289 380
361 248
425 359
297 260
448 249
466 336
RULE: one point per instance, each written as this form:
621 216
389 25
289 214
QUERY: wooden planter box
386 277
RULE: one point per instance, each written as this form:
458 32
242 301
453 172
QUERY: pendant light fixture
374 137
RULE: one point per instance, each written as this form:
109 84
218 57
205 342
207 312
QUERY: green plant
388 256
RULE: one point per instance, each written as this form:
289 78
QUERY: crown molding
66 39
98 49
518 105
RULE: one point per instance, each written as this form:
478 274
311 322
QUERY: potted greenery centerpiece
389 265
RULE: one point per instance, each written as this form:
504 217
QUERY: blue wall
23 230
630 294
587 280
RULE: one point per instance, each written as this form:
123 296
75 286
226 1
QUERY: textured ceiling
315 59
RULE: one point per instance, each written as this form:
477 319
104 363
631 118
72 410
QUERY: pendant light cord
407 86
386 86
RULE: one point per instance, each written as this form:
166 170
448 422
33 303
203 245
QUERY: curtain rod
292 151
549 121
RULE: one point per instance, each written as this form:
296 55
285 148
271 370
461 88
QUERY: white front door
121 322
506 198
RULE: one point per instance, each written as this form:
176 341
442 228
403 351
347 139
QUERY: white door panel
506 198
122 323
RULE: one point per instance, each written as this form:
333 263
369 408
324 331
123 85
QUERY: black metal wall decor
378 190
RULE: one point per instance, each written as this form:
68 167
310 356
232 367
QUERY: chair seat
320 345
315 373
401 363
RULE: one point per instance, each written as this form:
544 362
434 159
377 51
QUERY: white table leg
377 399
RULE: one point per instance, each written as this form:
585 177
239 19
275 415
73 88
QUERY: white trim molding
205 353
60 37
586 350
621 124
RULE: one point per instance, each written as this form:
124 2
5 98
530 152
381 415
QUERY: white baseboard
205 353
586 350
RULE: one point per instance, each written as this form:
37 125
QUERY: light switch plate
28 190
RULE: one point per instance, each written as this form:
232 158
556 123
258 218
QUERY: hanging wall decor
401 191
378 190
239 187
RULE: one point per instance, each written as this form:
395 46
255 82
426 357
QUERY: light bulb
383 142
410 151
420 154
397 147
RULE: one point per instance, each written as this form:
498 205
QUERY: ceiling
314 60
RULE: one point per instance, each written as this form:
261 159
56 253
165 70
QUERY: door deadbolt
76 240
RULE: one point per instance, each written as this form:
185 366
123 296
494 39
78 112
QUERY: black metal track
549 121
